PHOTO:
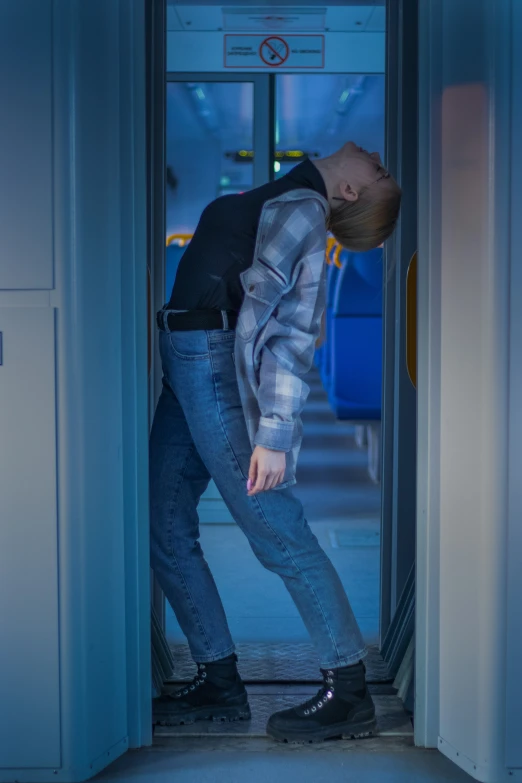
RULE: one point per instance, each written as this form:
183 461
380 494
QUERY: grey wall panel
399 396
475 172
91 219
514 572
26 241
469 629
29 673
427 669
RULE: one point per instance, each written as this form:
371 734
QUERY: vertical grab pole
411 320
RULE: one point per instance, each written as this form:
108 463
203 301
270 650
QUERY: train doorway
227 132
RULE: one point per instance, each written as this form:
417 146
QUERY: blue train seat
331 273
325 362
326 374
354 390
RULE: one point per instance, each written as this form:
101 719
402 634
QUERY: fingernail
249 485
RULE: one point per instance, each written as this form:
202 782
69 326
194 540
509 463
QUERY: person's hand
267 469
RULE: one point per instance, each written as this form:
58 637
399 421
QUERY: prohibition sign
274 51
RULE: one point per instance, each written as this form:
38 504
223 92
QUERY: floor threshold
392 719
280 662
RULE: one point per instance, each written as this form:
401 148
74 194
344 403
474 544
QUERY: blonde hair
366 223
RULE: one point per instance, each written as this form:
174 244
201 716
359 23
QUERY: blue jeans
199 431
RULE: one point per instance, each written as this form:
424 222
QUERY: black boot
216 693
343 708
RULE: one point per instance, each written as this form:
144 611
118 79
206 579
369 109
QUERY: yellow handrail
336 255
184 238
330 242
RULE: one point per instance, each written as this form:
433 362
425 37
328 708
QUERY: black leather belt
196 319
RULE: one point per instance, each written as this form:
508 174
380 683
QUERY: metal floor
277 662
279 675
392 721
220 760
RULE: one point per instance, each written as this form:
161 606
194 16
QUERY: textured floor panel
354 537
392 720
281 662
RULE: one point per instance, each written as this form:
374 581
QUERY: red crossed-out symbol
274 51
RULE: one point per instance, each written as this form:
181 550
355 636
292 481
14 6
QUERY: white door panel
28 541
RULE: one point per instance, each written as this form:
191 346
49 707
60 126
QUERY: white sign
274 51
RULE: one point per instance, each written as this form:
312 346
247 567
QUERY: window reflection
317 113
205 121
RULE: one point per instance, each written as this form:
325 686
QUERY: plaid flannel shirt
280 319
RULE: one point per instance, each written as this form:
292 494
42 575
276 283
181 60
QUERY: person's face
359 170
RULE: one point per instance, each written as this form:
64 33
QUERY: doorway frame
427 616
264 143
399 436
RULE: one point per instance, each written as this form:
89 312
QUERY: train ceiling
287 17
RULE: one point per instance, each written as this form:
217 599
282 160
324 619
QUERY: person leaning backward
236 339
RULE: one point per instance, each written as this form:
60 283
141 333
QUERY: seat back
321 354
356 338
326 363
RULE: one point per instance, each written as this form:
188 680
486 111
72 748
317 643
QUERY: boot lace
198 680
322 697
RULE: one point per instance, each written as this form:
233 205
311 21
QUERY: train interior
220 127
123 121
